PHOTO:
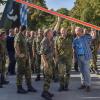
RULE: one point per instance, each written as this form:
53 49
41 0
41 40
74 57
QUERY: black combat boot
88 89
55 80
46 96
61 88
21 90
50 94
82 87
66 87
1 85
31 89
38 78
4 81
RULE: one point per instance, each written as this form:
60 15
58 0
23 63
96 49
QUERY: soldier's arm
33 51
33 48
43 54
72 30
16 46
17 50
43 57
55 51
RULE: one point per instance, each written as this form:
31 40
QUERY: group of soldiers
49 49
2 58
45 50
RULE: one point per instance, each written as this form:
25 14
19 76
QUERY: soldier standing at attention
98 57
32 59
47 54
55 68
22 58
2 57
29 39
36 51
94 50
63 52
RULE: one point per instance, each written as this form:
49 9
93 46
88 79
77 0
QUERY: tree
87 10
87 15
96 6
39 19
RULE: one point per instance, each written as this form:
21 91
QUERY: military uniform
23 67
47 49
63 48
36 46
94 47
98 58
2 59
31 58
55 67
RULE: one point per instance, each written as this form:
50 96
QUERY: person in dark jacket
11 52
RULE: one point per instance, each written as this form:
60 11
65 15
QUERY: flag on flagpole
14 14
23 14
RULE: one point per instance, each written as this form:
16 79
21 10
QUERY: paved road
9 91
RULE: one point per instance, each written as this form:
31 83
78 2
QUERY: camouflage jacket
22 43
63 46
37 44
29 44
47 48
3 49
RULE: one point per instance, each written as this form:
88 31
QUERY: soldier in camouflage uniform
55 68
2 57
22 58
94 47
30 38
63 51
47 54
36 51
98 58
32 59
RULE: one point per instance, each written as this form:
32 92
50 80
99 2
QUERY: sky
55 4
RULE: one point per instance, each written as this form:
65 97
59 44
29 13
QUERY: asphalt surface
9 91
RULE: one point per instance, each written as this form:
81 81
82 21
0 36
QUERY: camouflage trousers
2 65
32 63
55 71
64 69
38 64
23 69
2 68
95 59
48 73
